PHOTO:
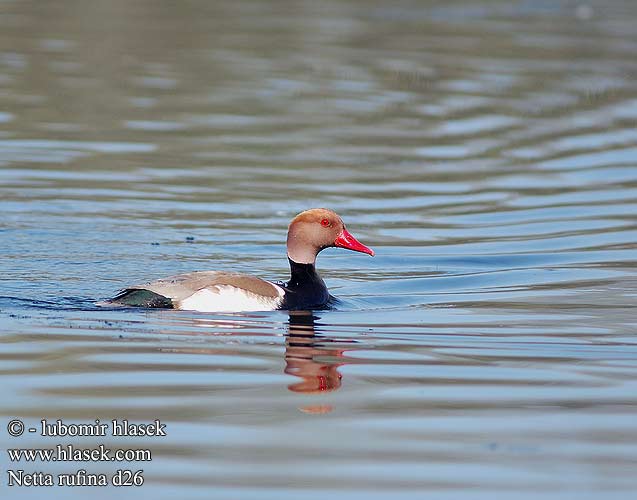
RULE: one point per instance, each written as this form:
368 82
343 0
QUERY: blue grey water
486 150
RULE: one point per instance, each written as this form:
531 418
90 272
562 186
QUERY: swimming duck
216 291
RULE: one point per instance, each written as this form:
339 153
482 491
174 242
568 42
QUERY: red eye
325 223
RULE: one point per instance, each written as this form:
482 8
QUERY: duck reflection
303 353
307 356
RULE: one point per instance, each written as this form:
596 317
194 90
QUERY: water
486 151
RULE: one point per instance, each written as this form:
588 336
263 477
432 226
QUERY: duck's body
208 291
214 291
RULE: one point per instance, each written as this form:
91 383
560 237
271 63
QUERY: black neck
302 275
306 289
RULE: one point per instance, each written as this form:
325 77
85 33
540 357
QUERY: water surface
486 151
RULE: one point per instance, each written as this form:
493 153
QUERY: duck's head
313 230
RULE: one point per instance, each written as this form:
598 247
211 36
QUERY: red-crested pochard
213 291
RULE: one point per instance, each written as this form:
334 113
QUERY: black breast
305 290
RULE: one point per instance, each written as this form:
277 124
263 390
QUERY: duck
309 233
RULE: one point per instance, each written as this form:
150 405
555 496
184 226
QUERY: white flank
228 298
